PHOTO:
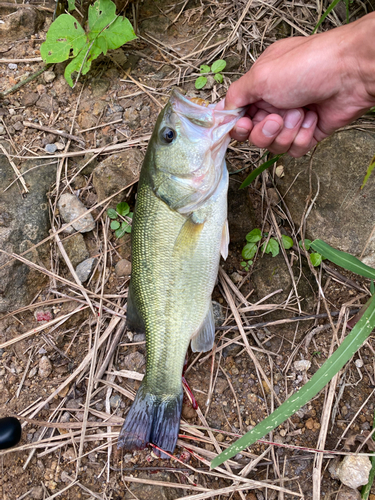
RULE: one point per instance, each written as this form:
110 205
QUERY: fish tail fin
152 419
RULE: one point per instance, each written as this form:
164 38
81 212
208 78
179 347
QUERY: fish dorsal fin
187 239
203 340
224 240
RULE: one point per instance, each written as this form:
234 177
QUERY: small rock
47 104
358 363
37 493
18 126
134 361
353 471
123 268
29 99
2 130
33 372
45 367
60 146
50 148
49 76
236 277
302 365
346 493
210 83
76 249
11 129
115 401
220 438
139 337
85 268
70 208
218 313
221 385
114 108
65 417
12 66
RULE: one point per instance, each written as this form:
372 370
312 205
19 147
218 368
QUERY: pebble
60 146
49 76
29 99
18 126
50 148
218 313
45 367
37 493
12 66
134 361
236 277
70 208
302 366
358 363
139 337
2 130
33 372
353 471
115 401
123 268
85 268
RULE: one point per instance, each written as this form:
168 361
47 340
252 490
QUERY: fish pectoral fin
187 239
203 340
224 240
134 321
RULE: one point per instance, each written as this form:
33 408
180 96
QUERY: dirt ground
72 409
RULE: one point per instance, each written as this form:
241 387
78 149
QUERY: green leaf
125 228
271 247
115 225
287 241
254 236
370 168
254 174
204 68
218 66
122 208
316 259
330 9
307 244
64 35
249 251
71 5
218 78
372 287
200 82
333 365
112 214
343 259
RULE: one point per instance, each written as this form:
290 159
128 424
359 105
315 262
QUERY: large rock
342 215
20 24
115 172
24 221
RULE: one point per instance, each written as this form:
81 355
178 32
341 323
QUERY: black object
10 432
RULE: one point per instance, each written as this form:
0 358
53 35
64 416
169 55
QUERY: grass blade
325 373
328 11
366 489
370 168
254 174
343 259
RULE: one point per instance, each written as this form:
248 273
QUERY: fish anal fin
203 340
224 240
134 321
187 239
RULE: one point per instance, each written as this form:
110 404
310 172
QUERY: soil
129 86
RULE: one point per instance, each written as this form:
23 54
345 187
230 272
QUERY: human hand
302 89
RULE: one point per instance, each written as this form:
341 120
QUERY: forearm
364 51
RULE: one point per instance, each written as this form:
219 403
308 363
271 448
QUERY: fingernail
308 121
292 118
241 131
270 128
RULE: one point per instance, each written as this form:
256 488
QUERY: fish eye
168 135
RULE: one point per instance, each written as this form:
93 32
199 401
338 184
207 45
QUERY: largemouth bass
179 230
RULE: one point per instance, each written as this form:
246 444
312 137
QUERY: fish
179 230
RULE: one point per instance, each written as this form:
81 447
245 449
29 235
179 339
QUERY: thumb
242 92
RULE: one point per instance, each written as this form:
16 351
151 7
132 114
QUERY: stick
54 131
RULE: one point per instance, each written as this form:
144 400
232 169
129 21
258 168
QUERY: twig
16 171
53 131
32 59
23 82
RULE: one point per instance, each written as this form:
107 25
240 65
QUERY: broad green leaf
122 208
370 168
287 241
249 251
333 365
204 68
218 66
254 236
112 214
271 247
219 78
115 225
372 287
254 174
200 82
65 34
316 259
71 5
343 259
330 9
243 264
125 228
307 244
79 64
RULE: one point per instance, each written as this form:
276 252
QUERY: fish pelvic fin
203 340
187 239
224 240
152 419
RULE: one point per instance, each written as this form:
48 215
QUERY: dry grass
246 27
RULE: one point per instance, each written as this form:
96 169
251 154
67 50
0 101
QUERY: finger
265 131
293 119
305 139
242 129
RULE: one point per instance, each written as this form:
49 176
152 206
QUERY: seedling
315 258
269 246
215 69
121 219
66 39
